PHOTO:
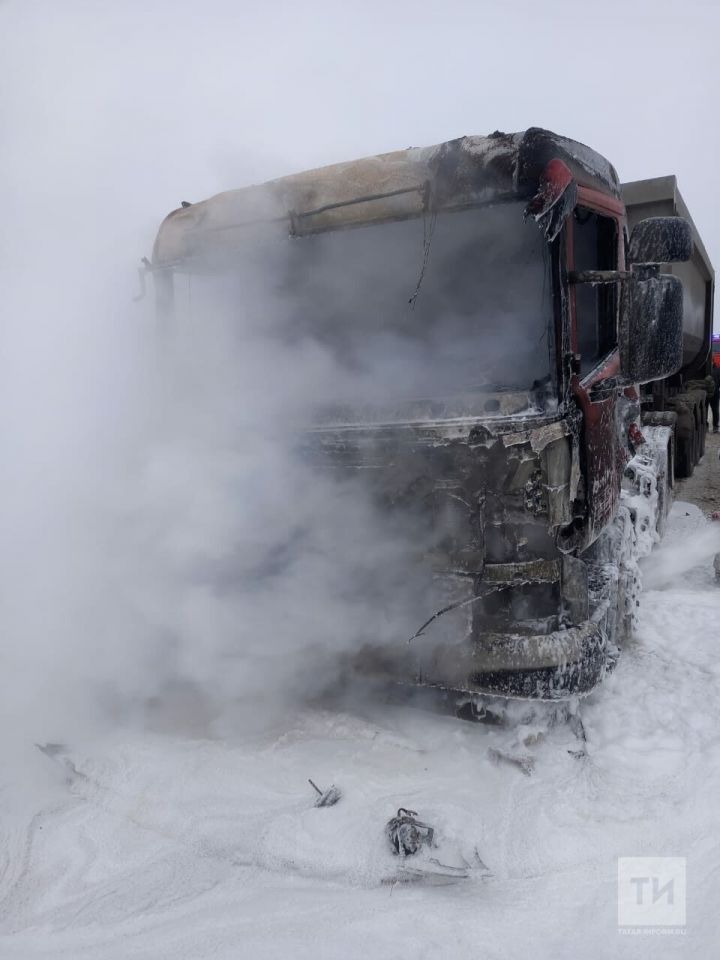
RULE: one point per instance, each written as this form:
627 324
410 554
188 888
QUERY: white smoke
163 541
691 551
126 497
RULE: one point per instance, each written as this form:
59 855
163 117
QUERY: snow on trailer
680 400
482 294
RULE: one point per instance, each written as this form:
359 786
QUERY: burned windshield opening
457 305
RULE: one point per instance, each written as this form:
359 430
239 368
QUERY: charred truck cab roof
523 490
536 166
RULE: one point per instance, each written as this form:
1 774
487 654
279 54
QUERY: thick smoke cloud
129 513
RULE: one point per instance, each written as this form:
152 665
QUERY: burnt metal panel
468 171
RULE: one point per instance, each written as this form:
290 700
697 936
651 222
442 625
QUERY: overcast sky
112 111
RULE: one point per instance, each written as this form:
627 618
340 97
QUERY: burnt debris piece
326 798
407 834
523 763
423 857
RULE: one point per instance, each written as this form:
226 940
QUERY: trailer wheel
699 402
685 456
698 393
683 406
693 451
697 436
701 441
703 426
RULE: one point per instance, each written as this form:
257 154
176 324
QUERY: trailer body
686 393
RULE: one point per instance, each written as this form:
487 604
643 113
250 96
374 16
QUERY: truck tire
701 437
702 425
685 462
697 397
685 456
685 436
659 418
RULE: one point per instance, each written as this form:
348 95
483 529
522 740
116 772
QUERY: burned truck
501 319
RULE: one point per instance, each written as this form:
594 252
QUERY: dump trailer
507 323
681 399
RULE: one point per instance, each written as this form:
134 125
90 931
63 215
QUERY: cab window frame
594 238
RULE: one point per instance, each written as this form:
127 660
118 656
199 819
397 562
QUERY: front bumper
550 666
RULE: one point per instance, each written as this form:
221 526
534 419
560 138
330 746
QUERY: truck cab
488 317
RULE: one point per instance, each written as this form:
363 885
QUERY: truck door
595 243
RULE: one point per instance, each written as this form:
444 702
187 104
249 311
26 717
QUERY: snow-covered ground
162 846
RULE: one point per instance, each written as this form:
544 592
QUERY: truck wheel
698 393
697 440
685 434
698 398
703 428
693 450
684 456
701 440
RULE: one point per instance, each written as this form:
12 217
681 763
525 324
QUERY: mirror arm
598 276
645 271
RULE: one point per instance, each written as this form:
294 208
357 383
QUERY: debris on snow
407 834
433 863
58 753
434 873
523 763
326 798
578 728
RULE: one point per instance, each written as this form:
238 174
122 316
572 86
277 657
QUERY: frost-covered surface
642 501
168 847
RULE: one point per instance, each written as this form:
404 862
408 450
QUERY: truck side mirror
651 316
660 240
